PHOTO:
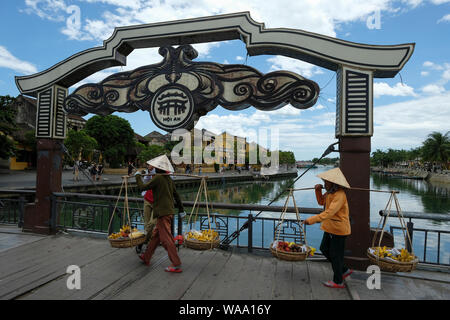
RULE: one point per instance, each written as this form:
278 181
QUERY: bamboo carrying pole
352 188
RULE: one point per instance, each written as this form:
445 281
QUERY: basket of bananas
291 251
392 259
126 237
202 240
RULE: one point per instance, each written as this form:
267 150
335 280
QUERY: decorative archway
355 65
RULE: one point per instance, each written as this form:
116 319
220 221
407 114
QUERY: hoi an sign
178 91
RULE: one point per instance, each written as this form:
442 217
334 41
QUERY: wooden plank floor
37 270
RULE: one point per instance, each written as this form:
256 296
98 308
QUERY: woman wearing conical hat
164 196
334 222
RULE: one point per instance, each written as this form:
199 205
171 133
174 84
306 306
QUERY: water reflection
415 195
256 192
434 197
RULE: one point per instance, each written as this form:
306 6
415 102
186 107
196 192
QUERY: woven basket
127 243
289 256
201 245
392 266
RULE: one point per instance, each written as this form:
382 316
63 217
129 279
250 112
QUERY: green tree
437 148
151 152
114 136
79 142
286 157
7 126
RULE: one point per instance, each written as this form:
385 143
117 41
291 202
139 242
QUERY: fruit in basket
114 236
136 234
125 232
392 253
290 247
404 256
204 235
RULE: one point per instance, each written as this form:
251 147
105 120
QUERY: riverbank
408 173
111 181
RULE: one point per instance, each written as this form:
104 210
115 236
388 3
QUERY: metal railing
12 210
431 254
71 214
91 213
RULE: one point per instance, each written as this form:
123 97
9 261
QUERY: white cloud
287 110
433 89
7 60
238 124
445 18
133 4
413 3
317 107
424 73
406 124
437 2
53 10
432 65
305 69
438 86
321 17
384 89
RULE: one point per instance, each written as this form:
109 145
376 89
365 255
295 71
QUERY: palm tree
437 148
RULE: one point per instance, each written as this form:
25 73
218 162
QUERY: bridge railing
429 241
92 213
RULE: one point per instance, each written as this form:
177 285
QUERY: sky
37 34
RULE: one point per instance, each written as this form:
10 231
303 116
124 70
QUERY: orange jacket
335 218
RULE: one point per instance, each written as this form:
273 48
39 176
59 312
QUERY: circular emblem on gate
172 107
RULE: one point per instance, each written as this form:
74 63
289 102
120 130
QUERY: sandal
331 284
178 239
141 256
347 273
173 269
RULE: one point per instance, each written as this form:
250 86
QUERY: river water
415 195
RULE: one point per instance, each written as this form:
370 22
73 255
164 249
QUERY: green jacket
164 194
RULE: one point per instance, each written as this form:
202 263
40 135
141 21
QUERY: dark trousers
332 247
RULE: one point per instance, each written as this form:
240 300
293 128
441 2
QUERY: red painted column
37 217
355 164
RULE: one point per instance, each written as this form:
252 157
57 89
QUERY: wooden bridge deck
34 267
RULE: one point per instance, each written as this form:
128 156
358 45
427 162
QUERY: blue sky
36 34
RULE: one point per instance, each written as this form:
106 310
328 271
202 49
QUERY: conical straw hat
336 176
161 162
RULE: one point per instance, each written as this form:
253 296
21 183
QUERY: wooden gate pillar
50 132
355 164
354 128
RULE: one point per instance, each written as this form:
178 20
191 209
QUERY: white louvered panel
44 114
60 117
356 115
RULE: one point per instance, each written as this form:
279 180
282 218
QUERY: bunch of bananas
114 236
126 232
383 252
204 235
403 255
